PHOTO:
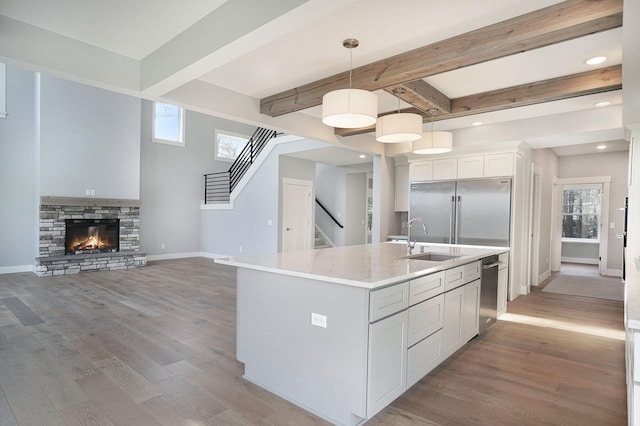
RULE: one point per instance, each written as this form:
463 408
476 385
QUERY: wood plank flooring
156 346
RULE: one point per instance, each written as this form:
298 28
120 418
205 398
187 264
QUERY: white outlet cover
318 320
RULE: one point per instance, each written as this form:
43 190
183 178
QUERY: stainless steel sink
433 257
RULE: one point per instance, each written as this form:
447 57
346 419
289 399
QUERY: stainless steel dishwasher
489 292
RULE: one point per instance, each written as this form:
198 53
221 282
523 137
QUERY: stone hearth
54 211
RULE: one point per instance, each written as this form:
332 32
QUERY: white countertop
368 266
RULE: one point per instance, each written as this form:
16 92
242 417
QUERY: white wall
356 209
171 182
246 226
90 139
547 161
614 164
19 173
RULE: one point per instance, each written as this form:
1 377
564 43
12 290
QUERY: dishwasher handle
491 265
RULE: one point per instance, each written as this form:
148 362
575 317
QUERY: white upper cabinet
498 165
471 167
476 166
421 170
445 168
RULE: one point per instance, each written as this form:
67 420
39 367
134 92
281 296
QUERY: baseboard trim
171 256
543 276
16 269
613 273
583 260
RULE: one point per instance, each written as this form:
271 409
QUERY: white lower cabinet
503 282
387 375
424 357
461 310
470 310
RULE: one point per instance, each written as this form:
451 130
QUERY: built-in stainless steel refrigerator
474 212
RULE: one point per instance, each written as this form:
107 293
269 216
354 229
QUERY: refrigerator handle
452 220
458 208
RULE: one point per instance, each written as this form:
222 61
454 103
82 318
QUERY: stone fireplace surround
53 212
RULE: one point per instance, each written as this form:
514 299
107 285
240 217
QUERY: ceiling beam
554 24
421 95
587 83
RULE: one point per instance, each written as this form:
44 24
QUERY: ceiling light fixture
433 142
601 147
362 156
603 104
595 60
399 127
350 108
477 123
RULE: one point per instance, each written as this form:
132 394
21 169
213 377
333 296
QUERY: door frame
308 207
556 238
534 223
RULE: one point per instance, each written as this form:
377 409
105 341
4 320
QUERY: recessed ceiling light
601 146
603 104
362 156
595 60
477 123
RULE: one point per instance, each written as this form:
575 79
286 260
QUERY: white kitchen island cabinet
342 332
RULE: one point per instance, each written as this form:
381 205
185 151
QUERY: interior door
297 219
432 201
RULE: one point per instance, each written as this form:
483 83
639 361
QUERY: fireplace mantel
89 202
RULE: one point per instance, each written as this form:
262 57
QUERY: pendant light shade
349 108
400 127
433 143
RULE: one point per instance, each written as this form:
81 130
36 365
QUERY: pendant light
433 142
350 108
399 127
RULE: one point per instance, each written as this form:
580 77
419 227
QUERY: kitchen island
344 331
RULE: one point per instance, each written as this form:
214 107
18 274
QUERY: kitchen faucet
409 244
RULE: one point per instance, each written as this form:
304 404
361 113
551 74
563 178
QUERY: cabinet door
446 168
421 170
471 167
498 165
470 310
452 328
472 271
387 373
424 357
402 188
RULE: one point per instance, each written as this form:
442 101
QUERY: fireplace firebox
84 236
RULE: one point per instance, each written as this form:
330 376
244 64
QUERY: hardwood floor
156 345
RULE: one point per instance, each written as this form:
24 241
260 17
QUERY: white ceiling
221 57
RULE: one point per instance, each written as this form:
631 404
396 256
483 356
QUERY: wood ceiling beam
421 95
587 83
554 24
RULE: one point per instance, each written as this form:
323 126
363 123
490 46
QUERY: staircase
321 240
218 186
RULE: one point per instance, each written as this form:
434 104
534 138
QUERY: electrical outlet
87 192
318 320
162 246
240 249
93 192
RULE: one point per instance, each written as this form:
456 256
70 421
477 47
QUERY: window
168 124
229 145
581 206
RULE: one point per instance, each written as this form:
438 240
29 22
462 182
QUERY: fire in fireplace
91 236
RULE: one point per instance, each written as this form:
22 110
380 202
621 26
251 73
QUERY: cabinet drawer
388 301
453 278
424 357
424 288
472 271
425 318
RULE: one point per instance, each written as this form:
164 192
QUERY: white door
297 218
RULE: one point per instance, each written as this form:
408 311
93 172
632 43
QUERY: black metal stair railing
218 186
